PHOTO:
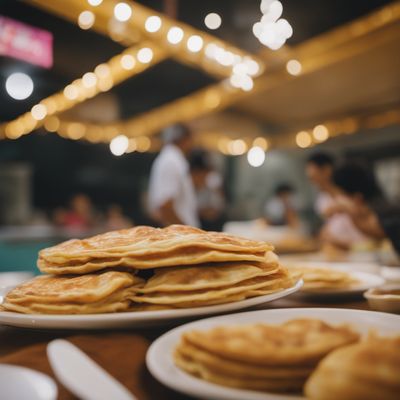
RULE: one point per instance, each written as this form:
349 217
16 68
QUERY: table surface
13 339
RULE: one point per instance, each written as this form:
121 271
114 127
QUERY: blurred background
267 88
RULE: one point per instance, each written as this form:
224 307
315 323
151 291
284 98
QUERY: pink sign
25 42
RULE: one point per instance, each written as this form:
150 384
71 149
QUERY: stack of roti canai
276 358
83 294
178 266
317 278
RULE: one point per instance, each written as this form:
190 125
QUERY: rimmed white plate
160 362
19 383
365 280
133 319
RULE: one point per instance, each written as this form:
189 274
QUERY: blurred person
281 209
115 218
366 205
171 196
208 187
79 215
338 229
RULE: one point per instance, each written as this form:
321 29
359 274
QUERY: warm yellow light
95 3
102 70
237 147
195 43
86 19
119 145
122 12
212 21
253 68
223 145
14 129
261 142
128 61
320 133
51 106
293 67
71 92
145 55
52 124
143 144
39 112
105 84
89 79
303 139
256 156
212 99
75 130
153 24
132 146
175 35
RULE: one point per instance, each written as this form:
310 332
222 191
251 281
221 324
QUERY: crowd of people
352 209
186 188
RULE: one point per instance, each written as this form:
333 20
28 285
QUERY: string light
95 3
143 144
175 35
320 133
153 24
272 31
256 156
195 43
119 145
75 130
212 21
89 80
122 12
39 111
260 142
293 67
86 19
71 92
237 147
19 86
52 124
128 61
145 55
102 70
303 139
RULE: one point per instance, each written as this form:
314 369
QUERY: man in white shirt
172 198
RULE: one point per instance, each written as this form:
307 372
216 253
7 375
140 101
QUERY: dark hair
355 178
198 160
321 159
176 133
284 188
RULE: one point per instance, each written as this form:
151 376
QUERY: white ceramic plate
12 279
160 362
133 319
366 281
18 383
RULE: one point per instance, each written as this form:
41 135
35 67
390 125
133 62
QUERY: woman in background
365 204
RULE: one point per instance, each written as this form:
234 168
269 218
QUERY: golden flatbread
145 240
323 278
368 370
296 342
208 276
106 292
188 257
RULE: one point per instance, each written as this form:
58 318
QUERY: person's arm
364 218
